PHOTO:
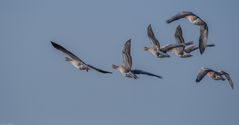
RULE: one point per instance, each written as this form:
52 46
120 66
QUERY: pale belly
154 52
75 63
197 21
122 70
177 51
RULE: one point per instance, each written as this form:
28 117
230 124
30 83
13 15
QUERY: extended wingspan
179 16
136 71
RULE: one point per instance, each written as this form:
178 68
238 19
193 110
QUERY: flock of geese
181 48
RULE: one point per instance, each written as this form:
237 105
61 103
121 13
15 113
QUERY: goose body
215 75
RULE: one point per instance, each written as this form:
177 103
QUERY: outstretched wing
211 45
99 70
202 73
195 47
203 38
179 16
191 48
152 37
188 43
136 71
127 59
65 51
179 35
228 78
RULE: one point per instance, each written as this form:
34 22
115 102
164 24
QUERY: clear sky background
37 87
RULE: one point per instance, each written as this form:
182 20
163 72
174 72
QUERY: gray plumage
127 59
152 37
179 37
203 38
179 51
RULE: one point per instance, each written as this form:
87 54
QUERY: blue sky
38 87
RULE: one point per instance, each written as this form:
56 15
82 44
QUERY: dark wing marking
202 73
179 16
189 43
203 38
136 71
211 45
99 70
65 51
152 37
131 75
127 59
228 78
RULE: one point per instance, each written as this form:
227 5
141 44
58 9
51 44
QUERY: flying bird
216 75
194 19
156 49
180 40
76 61
126 68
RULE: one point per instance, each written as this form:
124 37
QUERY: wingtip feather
168 21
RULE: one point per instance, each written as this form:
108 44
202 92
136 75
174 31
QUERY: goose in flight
125 68
216 75
194 19
156 49
74 60
180 40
